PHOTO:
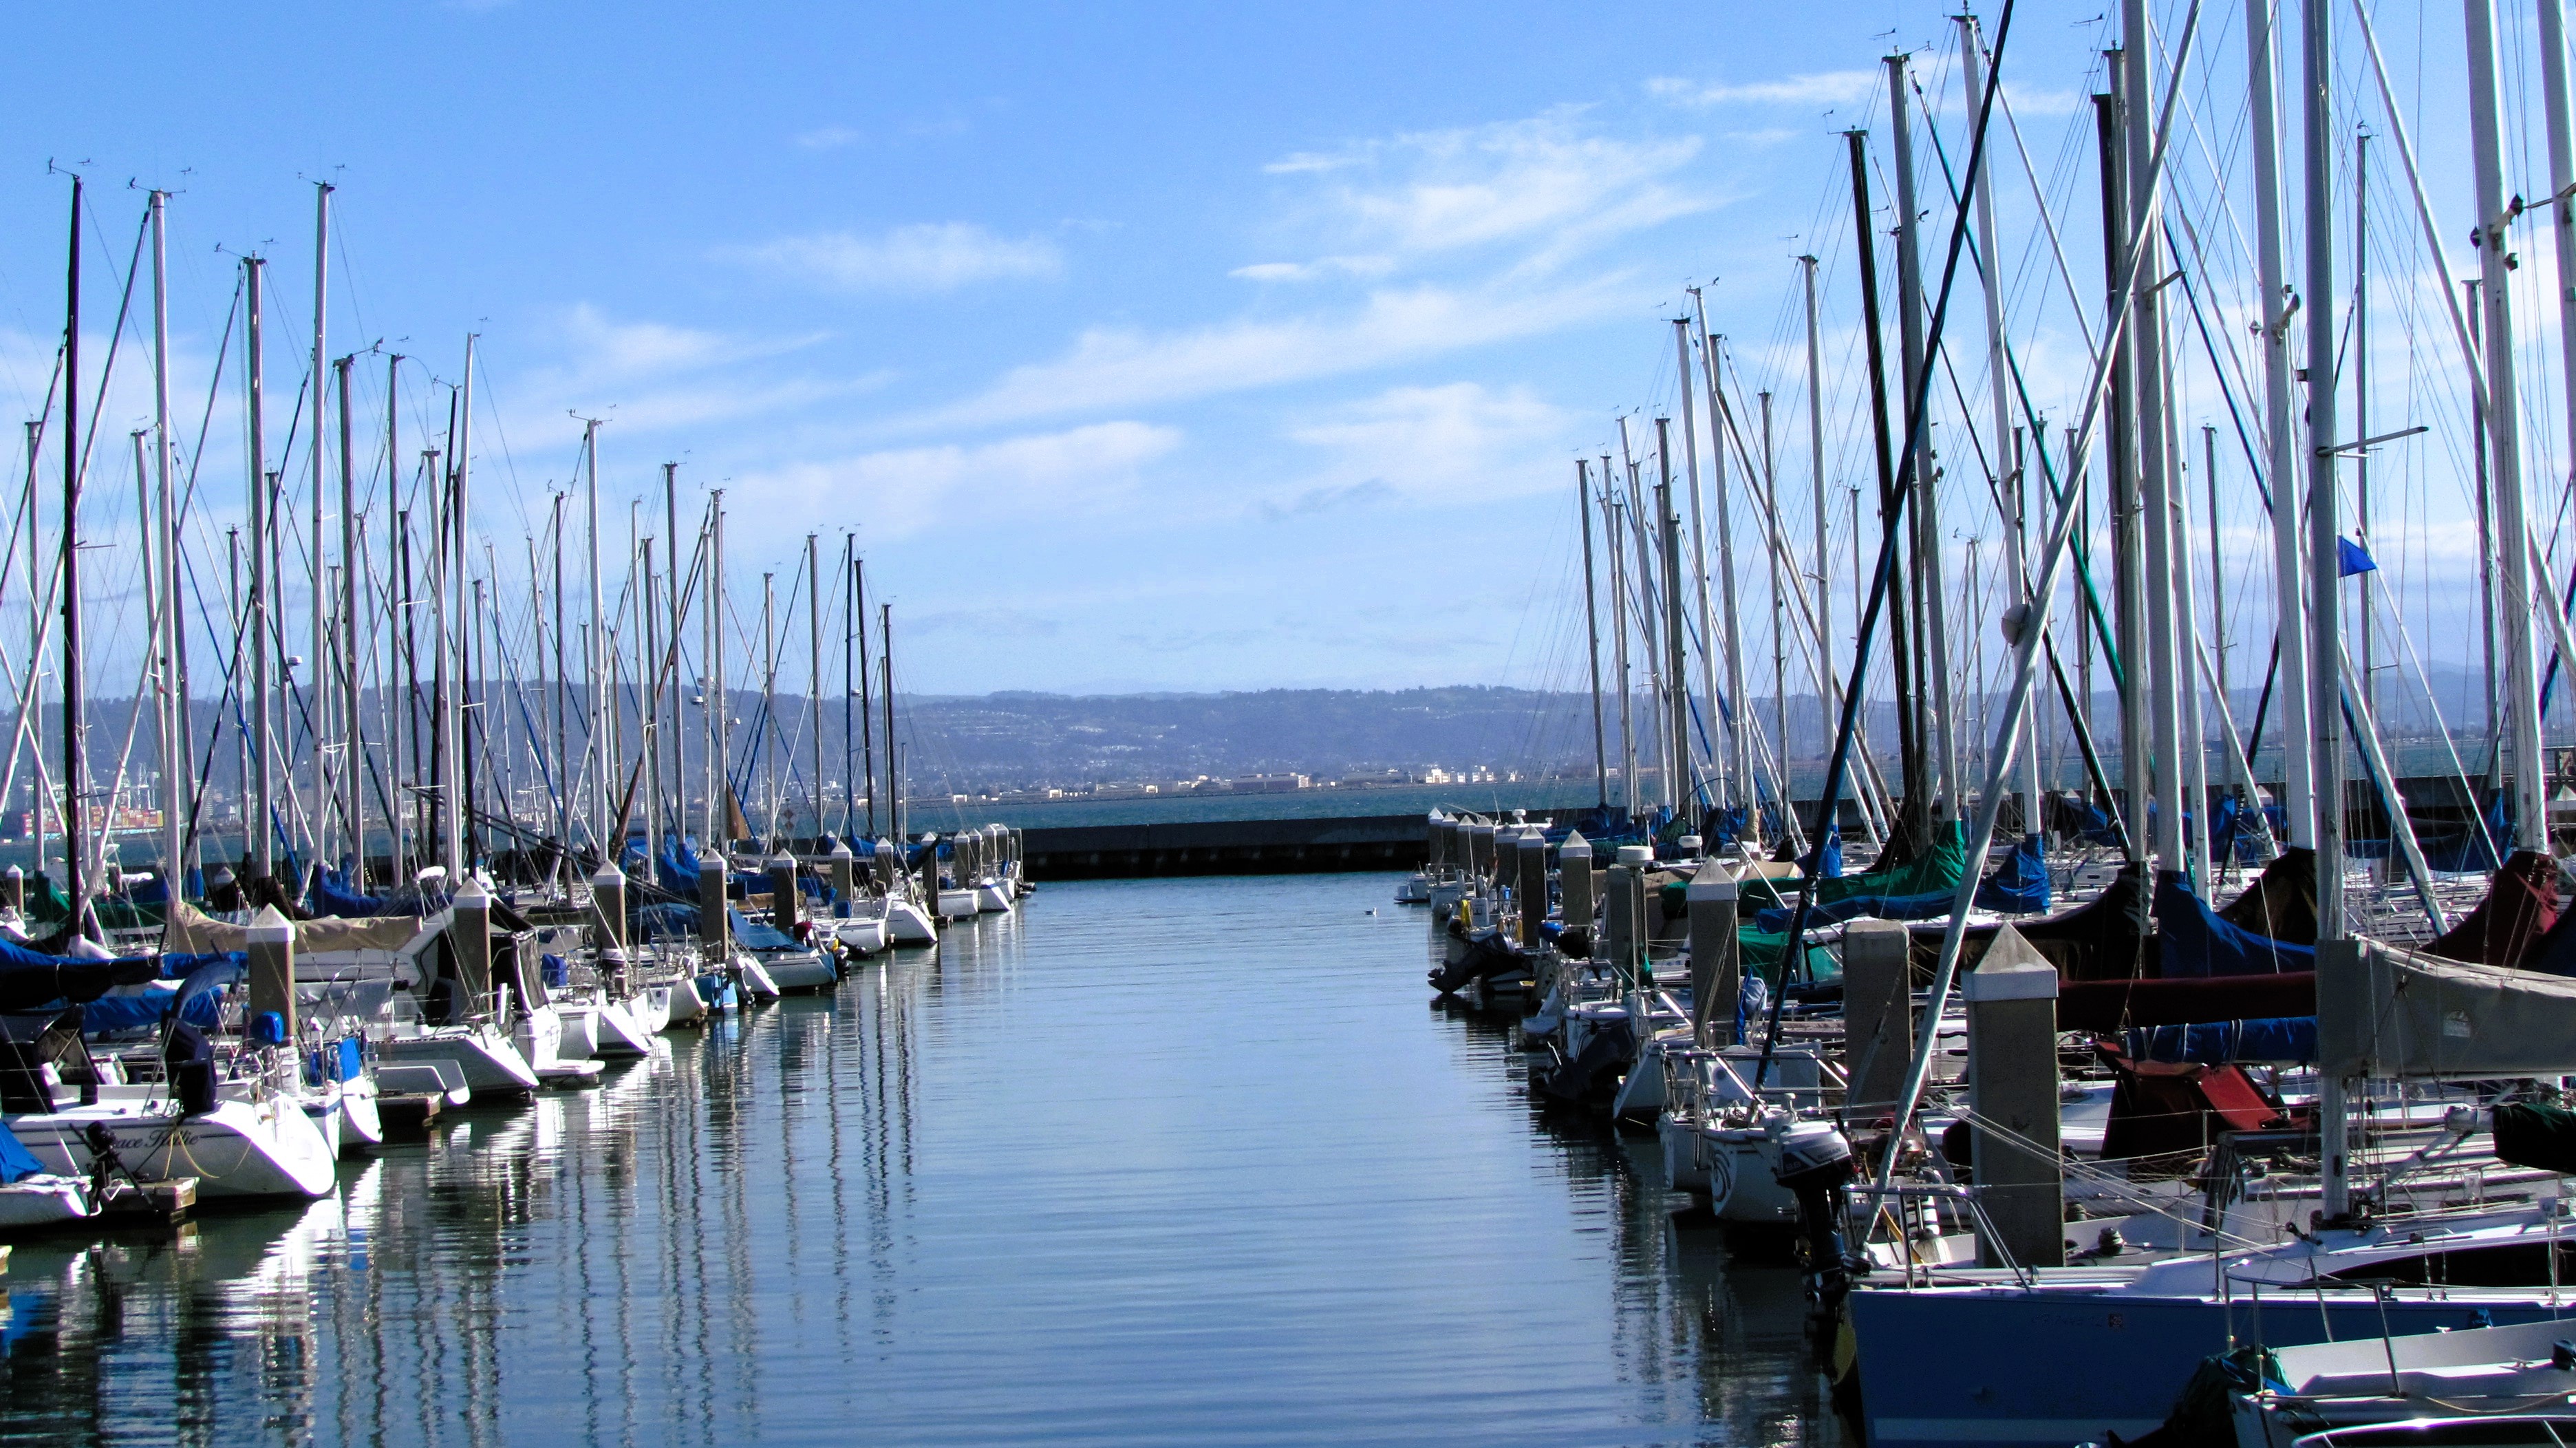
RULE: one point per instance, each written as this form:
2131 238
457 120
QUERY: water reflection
1157 1161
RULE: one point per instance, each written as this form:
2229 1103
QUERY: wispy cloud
1319 268
1113 367
926 257
901 490
1428 442
1549 178
1822 88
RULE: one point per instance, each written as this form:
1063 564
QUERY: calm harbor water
1185 1162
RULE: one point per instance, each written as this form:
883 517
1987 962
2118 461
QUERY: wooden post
471 938
608 903
1530 881
2012 1089
1717 976
783 911
271 946
1574 882
1878 1014
845 876
715 930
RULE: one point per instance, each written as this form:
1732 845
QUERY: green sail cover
1762 953
1935 871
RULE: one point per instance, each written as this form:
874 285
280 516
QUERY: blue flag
2352 559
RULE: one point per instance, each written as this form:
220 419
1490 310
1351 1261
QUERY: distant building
1269 783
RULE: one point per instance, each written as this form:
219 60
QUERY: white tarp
2387 1012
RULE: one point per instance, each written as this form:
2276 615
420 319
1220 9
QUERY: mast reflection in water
1155 1161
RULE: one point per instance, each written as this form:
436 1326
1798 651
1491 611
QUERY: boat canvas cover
757 936
2281 1040
194 931
2019 886
2507 926
2281 904
16 1162
1936 871
2389 1012
2193 942
2541 1137
2118 1005
30 980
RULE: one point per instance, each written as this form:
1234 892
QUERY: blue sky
1145 347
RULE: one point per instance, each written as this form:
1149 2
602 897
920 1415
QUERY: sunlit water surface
1185 1162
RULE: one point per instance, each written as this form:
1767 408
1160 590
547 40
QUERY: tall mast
2325 526
2156 659
261 823
1718 755
451 791
1592 632
75 799
594 658
866 690
814 678
2361 408
1930 598
174 736
1913 822
719 806
320 672
894 781
1748 796
1616 524
1779 624
398 577
1972 71
671 602
769 702
564 773
2129 626
2280 427
849 684
1828 696
1679 782
2562 192
353 744
2522 699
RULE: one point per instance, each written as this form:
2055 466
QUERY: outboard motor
1815 1165
189 1061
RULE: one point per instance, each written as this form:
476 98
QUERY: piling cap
2011 971
782 860
711 862
608 877
472 896
1713 884
269 927
841 850
16 874
1636 855
1576 845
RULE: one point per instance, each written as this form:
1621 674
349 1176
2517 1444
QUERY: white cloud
1118 367
904 489
1455 440
1546 178
1320 267
926 257
1822 88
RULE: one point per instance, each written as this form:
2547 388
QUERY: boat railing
1931 1194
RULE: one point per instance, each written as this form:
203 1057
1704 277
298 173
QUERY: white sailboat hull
239 1149
33 1203
907 924
491 1063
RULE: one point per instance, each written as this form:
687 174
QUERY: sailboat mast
397 559
1972 71
1827 695
1615 525
2156 658
261 824
2280 424
2325 527
2513 550
1682 783
671 603
814 676
1719 756
866 690
75 804
320 673
353 743
894 782
1722 501
1932 643
174 737
594 661
451 791
1592 632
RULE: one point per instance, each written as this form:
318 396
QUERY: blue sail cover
2284 1040
331 895
2019 886
666 922
16 1162
1825 861
2193 942
752 935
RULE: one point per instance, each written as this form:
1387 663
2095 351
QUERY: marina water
1148 1162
